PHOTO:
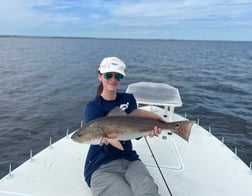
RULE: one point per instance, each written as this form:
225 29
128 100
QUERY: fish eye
79 135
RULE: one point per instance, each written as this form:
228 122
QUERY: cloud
131 17
180 10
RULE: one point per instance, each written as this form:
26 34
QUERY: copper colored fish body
126 127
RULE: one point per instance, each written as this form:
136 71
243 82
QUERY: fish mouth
77 136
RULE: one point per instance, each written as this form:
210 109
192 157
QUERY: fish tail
183 128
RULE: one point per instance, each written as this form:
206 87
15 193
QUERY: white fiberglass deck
208 167
204 166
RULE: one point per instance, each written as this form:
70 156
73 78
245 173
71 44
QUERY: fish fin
146 114
114 142
117 144
117 111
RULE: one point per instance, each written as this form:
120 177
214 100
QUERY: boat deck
204 166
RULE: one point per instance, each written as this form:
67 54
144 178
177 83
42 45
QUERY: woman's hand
156 131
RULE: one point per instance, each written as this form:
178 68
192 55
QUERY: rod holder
67 133
10 175
236 152
185 115
210 130
81 125
10 170
50 143
250 165
198 121
31 156
222 140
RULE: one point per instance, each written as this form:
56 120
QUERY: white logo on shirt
124 106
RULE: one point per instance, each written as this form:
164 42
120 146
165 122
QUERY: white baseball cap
112 64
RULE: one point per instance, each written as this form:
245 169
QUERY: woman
109 170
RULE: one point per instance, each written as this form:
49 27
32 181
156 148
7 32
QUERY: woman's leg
140 180
109 180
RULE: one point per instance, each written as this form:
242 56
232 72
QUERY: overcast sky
147 19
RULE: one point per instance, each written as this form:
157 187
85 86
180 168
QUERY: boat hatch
158 94
167 158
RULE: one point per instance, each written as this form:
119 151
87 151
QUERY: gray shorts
123 178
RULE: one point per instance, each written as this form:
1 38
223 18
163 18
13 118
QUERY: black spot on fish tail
178 126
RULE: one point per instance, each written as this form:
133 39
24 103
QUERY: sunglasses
109 75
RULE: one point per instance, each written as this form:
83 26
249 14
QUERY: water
46 82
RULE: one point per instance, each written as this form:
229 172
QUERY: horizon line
109 38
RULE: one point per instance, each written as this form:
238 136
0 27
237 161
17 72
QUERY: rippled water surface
46 82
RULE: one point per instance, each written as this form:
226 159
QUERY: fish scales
127 127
